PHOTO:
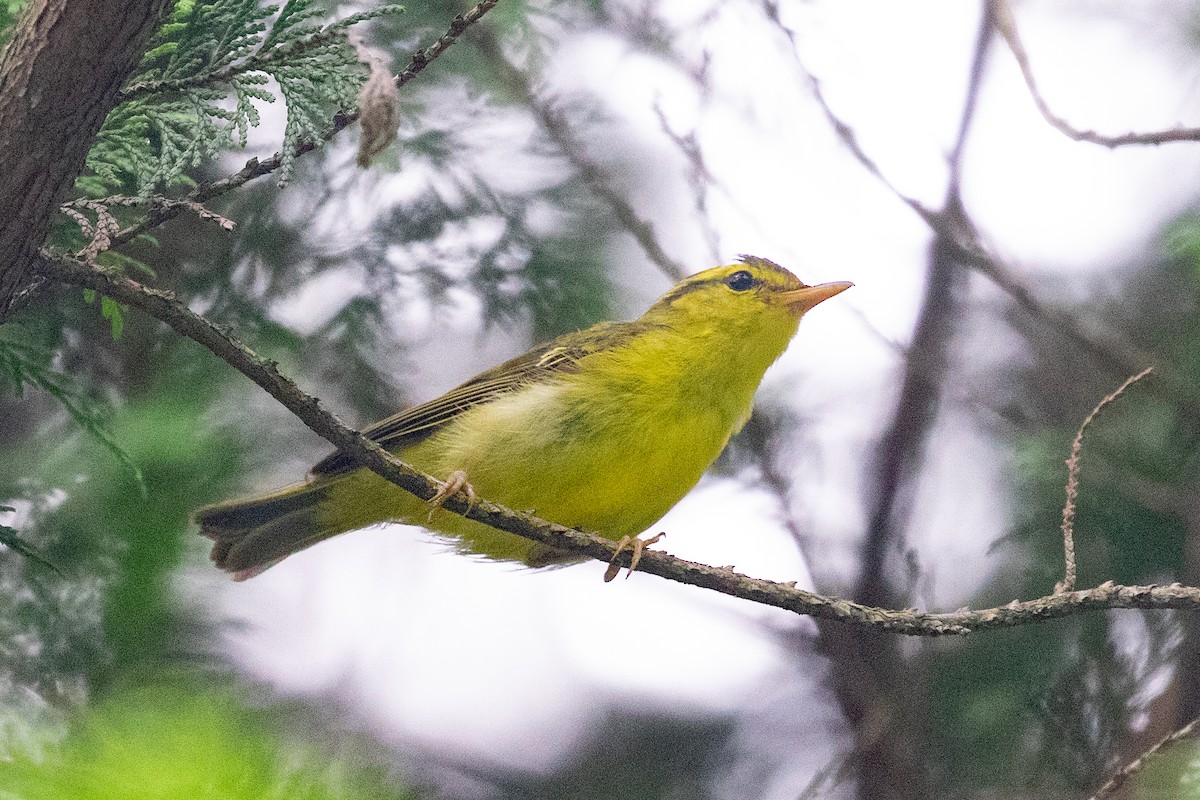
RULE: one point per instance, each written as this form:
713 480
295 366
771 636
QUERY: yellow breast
596 450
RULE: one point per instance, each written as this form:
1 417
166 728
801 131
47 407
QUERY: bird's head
752 295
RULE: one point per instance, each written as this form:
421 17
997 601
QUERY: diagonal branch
1117 356
1138 764
1006 24
164 307
841 128
555 124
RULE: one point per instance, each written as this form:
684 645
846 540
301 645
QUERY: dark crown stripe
687 287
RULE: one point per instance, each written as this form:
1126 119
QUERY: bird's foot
636 545
455 482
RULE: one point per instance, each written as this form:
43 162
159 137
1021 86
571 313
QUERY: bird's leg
455 482
637 546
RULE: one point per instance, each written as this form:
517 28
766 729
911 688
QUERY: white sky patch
317 300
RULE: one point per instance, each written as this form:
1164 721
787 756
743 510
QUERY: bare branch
556 126
1007 25
1119 357
165 308
1138 764
699 179
1072 490
927 359
983 47
458 25
840 127
829 777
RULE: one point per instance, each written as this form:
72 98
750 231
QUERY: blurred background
564 163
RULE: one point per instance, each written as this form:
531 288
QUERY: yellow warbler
603 429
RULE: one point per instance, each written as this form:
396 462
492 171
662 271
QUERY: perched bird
603 429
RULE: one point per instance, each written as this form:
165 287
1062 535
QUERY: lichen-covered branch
164 307
1072 490
1138 764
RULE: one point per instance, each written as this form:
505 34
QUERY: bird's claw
455 482
637 546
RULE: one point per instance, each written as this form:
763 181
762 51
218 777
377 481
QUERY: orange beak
801 300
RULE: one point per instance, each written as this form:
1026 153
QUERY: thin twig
1068 513
1006 24
1139 763
700 179
155 202
841 129
421 58
557 127
979 60
829 777
106 226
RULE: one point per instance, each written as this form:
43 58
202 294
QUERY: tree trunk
60 74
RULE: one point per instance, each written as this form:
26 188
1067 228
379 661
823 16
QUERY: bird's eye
740 281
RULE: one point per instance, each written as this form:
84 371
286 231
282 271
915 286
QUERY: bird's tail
250 536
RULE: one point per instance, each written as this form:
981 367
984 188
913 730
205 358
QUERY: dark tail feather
250 536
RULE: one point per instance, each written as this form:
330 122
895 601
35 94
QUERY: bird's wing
410 426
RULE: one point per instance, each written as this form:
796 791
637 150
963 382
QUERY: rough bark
59 77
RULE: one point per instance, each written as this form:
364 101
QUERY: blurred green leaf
162 742
112 311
